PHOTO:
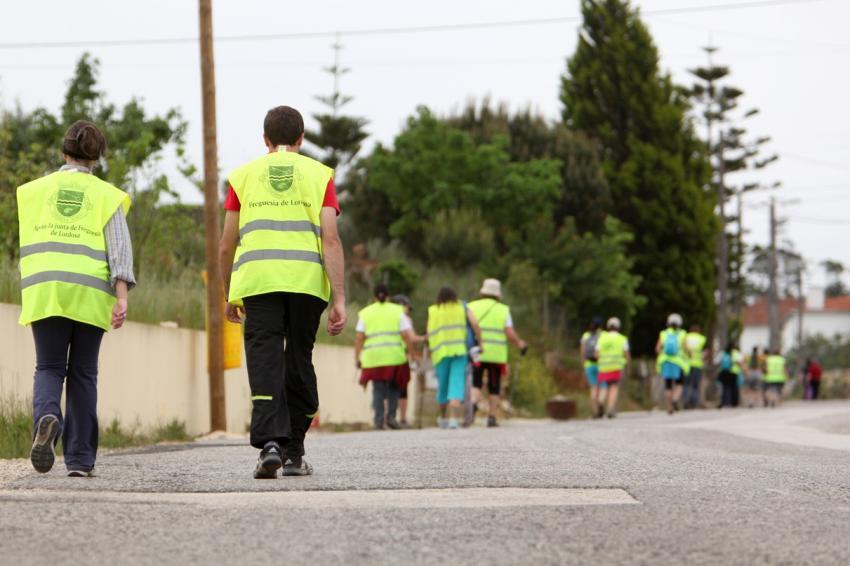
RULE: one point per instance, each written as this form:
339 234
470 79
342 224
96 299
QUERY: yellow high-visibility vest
775 369
446 331
680 359
280 239
64 267
612 351
696 344
384 345
492 317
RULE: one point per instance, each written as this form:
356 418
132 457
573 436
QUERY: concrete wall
826 323
152 374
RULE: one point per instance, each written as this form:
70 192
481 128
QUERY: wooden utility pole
773 323
722 251
215 291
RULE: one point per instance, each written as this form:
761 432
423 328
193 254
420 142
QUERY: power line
392 30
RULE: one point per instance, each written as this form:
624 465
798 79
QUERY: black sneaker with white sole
297 466
43 452
268 464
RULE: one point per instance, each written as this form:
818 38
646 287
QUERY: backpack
726 361
671 343
590 346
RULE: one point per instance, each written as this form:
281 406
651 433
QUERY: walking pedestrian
695 344
755 374
727 377
380 349
812 377
612 351
280 228
447 320
775 378
404 377
587 353
76 270
497 328
672 361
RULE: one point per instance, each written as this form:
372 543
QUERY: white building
828 316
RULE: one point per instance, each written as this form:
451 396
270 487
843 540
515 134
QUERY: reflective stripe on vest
696 344
612 348
775 369
492 317
280 246
64 268
384 345
446 331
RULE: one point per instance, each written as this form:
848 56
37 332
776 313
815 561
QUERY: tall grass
10 281
16 432
180 299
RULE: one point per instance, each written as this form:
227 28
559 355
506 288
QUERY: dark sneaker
676 406
297 466
81 473
43 452
393 425
600 412
491 422
612 415
269 463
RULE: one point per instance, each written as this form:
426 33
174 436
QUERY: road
707 487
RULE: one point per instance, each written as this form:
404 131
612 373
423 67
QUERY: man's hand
337 317
119 313
234 313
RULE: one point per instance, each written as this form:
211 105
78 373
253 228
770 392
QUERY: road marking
460 498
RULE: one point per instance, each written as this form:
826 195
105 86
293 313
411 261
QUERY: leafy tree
656 170
32 145
584 193
398 276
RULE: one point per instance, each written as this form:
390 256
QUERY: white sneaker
442 422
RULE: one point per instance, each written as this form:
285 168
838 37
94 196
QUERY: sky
791 58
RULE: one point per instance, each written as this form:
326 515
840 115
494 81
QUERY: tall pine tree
338 136
655 165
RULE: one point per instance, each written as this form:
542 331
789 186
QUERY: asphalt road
709 487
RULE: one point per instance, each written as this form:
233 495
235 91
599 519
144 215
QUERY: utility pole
215 291
722 251
773 323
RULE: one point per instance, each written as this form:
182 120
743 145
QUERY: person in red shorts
612 351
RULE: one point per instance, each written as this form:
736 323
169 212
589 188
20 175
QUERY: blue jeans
65 347
384 390
691 393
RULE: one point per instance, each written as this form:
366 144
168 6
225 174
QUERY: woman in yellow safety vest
76 269
447 320
380 349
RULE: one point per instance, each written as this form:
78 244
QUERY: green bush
398 275
532 385
15 429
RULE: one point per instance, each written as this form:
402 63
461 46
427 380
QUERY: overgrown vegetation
16 432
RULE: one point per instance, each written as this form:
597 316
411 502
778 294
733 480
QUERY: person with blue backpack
672 360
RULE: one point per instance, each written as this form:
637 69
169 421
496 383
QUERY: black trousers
280 330
65 347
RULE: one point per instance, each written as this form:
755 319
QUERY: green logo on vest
280 177
70 204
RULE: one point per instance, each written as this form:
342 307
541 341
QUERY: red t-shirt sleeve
231 201
330 197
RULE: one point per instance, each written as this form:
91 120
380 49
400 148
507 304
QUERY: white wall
817 322
152 374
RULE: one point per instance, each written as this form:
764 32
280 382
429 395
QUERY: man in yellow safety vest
281 261
497 328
